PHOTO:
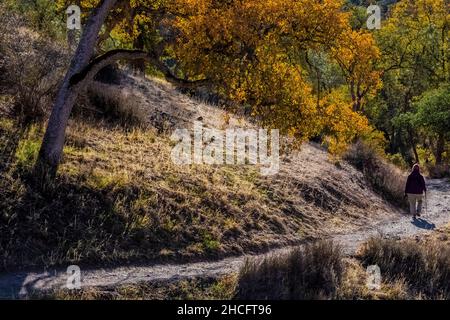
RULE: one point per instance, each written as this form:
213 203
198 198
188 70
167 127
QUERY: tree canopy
309 68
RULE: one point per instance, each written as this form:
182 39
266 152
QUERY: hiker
414 190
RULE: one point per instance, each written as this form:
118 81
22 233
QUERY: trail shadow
10 288
423 224
20 286
441 185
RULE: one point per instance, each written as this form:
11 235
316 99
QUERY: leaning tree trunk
53 142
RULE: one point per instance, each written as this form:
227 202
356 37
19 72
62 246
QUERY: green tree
433 116
414 49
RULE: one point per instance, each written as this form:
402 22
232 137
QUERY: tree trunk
413 145
53 142
138 66
440 146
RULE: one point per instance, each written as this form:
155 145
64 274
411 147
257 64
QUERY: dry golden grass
118 197
384 177
423 266
312 272
354 285
319 272
439 236
316 271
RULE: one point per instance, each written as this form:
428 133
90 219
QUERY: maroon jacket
415 183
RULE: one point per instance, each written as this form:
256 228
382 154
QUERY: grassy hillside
119 198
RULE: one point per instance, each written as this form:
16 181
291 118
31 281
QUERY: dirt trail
436 215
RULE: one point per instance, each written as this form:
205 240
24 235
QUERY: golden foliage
357 55
252 50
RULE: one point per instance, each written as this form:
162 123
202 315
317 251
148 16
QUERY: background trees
414 43
432 115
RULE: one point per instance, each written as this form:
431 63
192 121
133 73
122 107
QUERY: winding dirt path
437 214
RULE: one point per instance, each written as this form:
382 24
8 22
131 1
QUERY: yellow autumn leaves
254 52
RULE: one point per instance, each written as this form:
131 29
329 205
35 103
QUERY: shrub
312 272
438 171
426 269
398 160
42 15
114 104
31 67
385 178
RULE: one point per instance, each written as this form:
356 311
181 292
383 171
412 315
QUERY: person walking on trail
415 190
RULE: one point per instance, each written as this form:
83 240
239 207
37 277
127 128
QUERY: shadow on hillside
72 222
54 226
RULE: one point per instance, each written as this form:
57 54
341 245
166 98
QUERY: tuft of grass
28 148
354 285
114 104
425 268
438 171
312 272
210 243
